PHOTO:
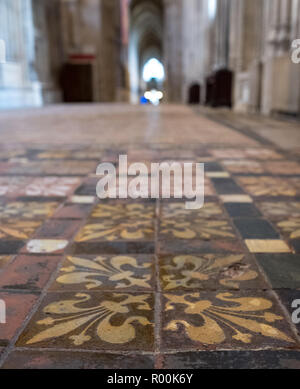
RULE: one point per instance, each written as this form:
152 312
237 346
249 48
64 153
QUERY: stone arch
146 37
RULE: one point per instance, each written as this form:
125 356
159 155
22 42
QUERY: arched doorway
145 42
194 94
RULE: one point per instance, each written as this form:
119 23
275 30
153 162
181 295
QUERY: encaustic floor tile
195 227
18 229
27 210
290 227
102 272
106 321
268 186
280 209
218 320
112 230
209 272
176 210
122 211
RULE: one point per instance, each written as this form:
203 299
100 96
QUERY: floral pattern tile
27 210
177 210
38 186
113 321
280 209
283 167
111 230
251 153
243 166
120 211
120 272
214 320
268 186
290 227
196 228
69 167
208 271
18 229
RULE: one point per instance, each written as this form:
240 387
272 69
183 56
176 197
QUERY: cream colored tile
267 246
45 246
217 174
236 199
83 199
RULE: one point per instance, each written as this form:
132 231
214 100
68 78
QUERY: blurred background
232 53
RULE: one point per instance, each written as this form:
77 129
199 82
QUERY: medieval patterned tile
282 270
242 359
209 272
105 321
45 246
58 229
119 211
290 228
268 186
251 153
33 359
264 246
242 210
18 306
73 211
37 186
18 229
283 168
102 272
27 210
225 186
13 186
111 223
28 272
250 228
69 167
243 166
280 209
177 210
195 227
218 320
51 186
291 300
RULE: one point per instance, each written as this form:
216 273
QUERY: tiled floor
145 283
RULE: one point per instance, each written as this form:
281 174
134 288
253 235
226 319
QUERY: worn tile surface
144 283
111 321
210 320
